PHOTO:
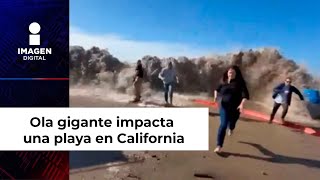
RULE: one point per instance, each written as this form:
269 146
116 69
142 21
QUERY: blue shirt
286 92
168 75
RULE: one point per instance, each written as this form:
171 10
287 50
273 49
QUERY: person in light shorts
282 95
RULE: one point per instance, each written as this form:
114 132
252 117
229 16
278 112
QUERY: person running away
232 94
169 77
137 81
282 95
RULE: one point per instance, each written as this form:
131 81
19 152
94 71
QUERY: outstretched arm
245 94
216 91
161 74
215 95
176 76
295 90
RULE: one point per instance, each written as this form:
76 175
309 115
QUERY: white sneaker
230 132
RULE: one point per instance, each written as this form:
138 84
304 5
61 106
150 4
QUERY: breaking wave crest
96 73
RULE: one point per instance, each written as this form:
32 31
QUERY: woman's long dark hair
239 78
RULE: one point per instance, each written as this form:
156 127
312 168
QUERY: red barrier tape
263 117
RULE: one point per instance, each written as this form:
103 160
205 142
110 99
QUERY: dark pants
276 106
228 118
168 91
137 89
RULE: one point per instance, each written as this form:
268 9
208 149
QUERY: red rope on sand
263 117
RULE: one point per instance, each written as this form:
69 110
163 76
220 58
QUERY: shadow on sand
247 119
81 159
274 158
213 114
159 104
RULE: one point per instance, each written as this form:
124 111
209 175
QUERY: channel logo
34 38
34 54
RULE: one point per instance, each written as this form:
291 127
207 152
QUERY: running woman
233 93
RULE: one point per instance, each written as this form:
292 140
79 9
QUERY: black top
232 93
139 71
286 92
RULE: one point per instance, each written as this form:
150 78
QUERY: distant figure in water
169 77
282 96
232 94
137 81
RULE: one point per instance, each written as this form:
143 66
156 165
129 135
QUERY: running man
169 77
137 81
282 97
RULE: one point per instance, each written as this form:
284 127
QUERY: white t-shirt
278 99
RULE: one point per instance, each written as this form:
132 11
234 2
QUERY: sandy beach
255 151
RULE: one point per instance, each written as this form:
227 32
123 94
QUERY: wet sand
255 151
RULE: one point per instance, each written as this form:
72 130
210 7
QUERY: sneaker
135 100
230 132
217 149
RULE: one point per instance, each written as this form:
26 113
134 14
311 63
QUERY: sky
130 29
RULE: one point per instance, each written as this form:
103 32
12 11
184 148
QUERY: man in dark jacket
282 95
137 81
